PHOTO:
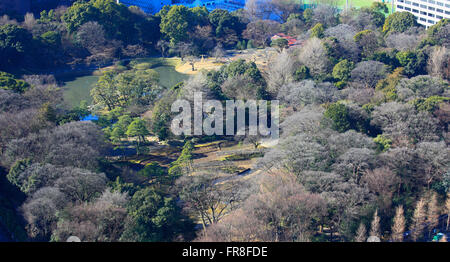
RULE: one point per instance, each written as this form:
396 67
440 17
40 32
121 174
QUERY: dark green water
78 88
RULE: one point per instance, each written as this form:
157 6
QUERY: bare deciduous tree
361 233
91 36
206 198
280 210
355 162
184 49
383 182
434 156
100 220
420 86
218 52
367 74
6 20
134 51
432 212
162 46
283 8
192 60
280 71
260 31
29 21
240 87
418 220
347 47
308 92
447 210
404 125
403 41
258 9
314 56
375 225
78 143
326 14
439 62
40 212
398 226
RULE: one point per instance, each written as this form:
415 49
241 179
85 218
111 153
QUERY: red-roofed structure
291 40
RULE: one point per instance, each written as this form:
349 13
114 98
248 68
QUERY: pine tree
361 233
418 220
375 225
184 162
398 227
117 134
137 129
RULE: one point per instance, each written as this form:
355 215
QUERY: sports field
360 3
355 3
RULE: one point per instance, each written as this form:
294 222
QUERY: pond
168 76
78 88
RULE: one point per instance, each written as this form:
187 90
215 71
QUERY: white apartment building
428 12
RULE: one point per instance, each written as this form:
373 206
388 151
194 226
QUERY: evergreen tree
138 130
184 162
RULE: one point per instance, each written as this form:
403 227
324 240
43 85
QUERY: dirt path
261 57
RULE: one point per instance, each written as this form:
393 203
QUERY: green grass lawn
355 3
359 3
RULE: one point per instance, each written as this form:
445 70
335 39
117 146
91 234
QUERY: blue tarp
90 118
